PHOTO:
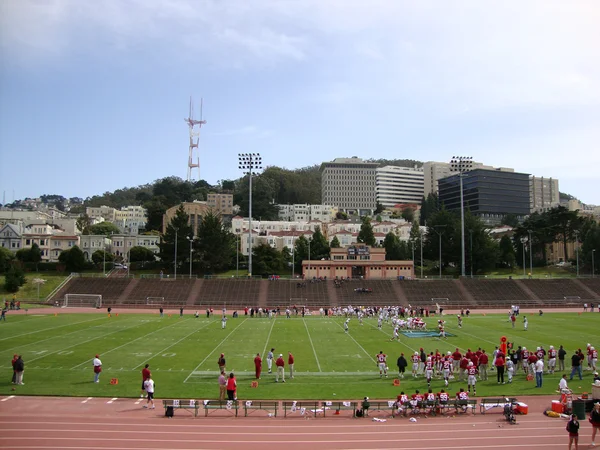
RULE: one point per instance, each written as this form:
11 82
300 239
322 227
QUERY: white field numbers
83 300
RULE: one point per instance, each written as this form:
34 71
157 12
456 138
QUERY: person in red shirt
257 366
472 378
14 360
291 364
231 387
145 375
280 364
531 363
456 357
464 363
462 398
499 364
483 366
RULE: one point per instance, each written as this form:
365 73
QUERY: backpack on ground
169 412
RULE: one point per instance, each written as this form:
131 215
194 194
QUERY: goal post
155 300
440 302
83 300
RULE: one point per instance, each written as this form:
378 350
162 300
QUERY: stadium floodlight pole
175 261
440 233
593 268
530 253
293 258
577 250
247 163
104 256
237 256
191 239
421 261
461 164
471 251
309 254
523 242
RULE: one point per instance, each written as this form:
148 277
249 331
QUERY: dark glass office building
489 194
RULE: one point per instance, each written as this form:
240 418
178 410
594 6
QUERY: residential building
358 261
40 234
306 212
195 210
149 241
10 236
107 213
399 185
91 243
130 219
60 243
489 194
223 203
121 244
543 193
349 184
14 216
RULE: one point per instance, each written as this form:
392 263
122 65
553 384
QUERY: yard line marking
7 398
356 342
112 400
175 343
85 342
268 338
218 345
311 344
46 329
387 334
127 343
87 400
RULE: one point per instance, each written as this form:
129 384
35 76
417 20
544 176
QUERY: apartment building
130 219
223 203
543 194
10 236
305 212
349 184
399 185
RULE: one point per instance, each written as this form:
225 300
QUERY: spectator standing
291 364
222 386
14 360
161 311
595 421
3 314
145 375
561 359
573 429
499 364
149 387
181 312
280 369
257 366
270 357
97 368
231 387
483 366
221 362
576 366
19 369
402 364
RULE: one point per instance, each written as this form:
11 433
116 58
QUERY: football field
329 363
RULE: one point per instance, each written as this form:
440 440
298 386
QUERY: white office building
399 185
349 184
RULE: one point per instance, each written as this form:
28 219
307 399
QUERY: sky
93 93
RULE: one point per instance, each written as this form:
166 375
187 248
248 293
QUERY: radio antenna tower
194 139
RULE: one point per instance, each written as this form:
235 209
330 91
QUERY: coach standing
258 366
19 369
291 364
97 368
280 363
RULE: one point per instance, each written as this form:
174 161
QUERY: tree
366 235
73 259
319 248
6 258
100 256
178 229
264 191
341 215
267 260
83 224
511 220
104 228
300 252
378 208
215 245
141 254
564 224
408 214
335 243
14 278
30 255
507 256
391 243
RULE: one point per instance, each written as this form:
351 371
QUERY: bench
464 405
338 406
310 407
183 404
495 402
382 406
252 406
422 407
230 406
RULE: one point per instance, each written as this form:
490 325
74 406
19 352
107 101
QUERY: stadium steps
263 293
465 292
195 292
593 295
127 291
400 294
332 294
525 289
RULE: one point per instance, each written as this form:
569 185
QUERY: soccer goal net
85 300
155 300
441 302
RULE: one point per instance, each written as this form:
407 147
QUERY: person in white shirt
223 322
539 372
562 386
97 368
149 386
270 359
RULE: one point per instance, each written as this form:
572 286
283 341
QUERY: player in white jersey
395 336
551 359
472 377
379 322
382 363
346 324
428 370
415 360
446 368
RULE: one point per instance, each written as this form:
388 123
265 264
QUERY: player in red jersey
462 398
446 366
402 402
472 378
524 358
551 359
381 362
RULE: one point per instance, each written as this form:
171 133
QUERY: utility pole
249 162
440 233
461 164
530 253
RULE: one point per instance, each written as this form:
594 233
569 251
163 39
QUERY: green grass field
330 364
